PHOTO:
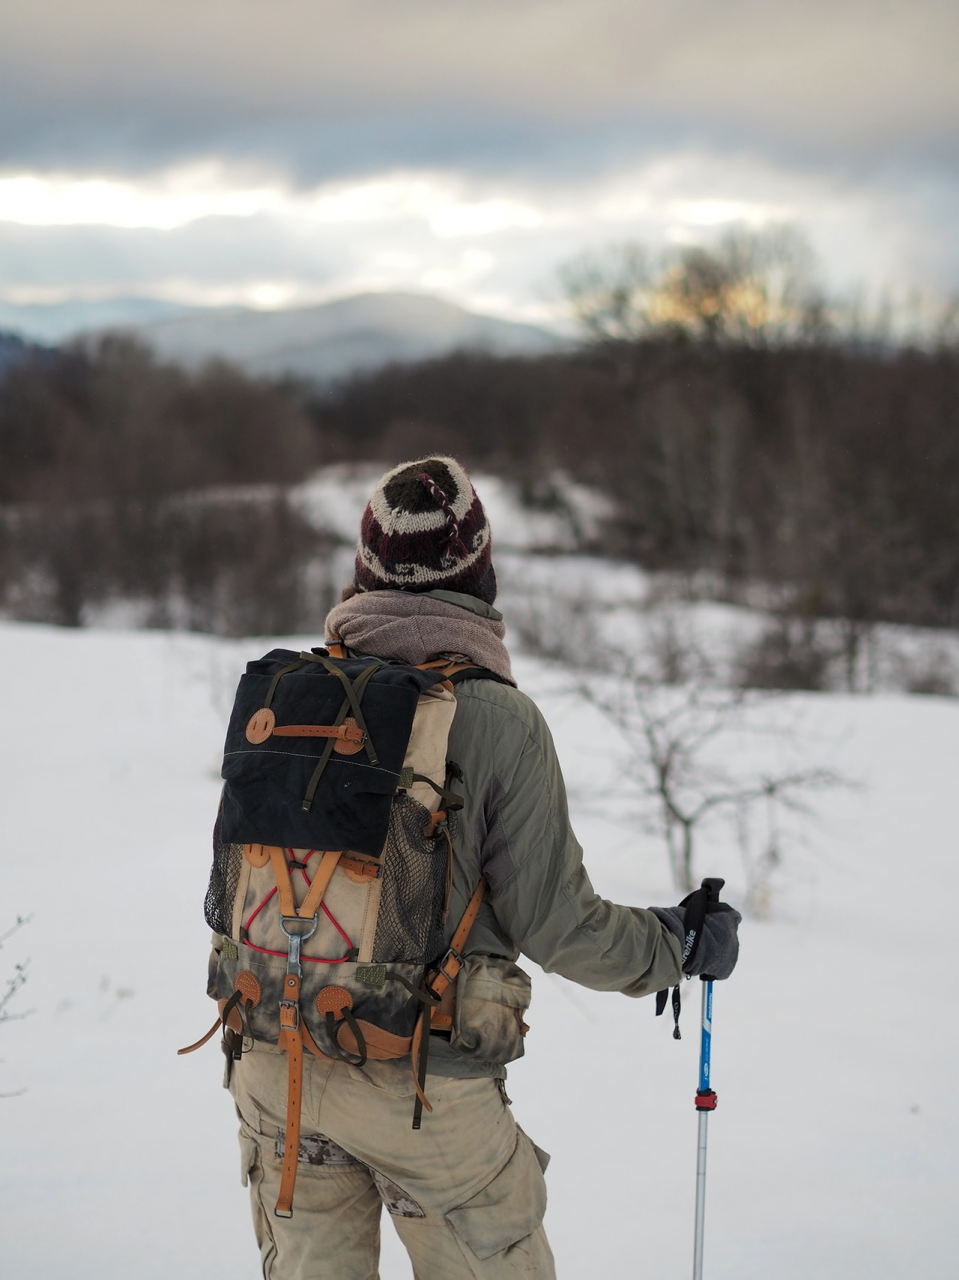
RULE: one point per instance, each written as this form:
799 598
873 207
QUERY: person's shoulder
493 699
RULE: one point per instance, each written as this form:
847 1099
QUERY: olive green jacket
514 829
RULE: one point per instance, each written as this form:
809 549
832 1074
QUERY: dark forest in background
823 468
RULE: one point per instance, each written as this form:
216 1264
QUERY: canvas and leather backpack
332 866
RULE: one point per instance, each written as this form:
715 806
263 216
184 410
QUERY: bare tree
674 760
749 288
694 750
14 983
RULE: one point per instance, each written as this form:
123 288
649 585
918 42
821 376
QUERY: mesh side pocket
409 926
224 882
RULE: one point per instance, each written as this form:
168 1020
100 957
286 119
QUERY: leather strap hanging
291 1030
222 1021
291 1041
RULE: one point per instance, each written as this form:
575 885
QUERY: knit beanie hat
425 528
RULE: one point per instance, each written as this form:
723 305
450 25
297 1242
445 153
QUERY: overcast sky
283 151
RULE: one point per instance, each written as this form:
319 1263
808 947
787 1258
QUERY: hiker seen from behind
392 837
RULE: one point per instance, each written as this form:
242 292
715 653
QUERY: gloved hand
714 950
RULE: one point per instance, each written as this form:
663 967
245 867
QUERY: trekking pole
705 1097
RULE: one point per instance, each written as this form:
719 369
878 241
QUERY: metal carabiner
307 929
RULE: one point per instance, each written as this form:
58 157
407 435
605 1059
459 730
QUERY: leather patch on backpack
333 1000
359 870
257 855
345 746
259 727
249 987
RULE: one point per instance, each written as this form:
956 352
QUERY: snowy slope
832 1153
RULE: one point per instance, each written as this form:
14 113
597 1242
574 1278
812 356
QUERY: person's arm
543 897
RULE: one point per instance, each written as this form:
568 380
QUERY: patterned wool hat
425 528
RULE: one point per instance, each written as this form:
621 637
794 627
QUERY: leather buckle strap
454 960
446 972
346 732
443 975
291 1040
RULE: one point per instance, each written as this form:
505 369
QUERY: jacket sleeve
543 897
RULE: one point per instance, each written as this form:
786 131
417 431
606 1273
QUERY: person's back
466 1190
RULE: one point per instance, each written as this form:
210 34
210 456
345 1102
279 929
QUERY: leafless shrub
939 684
791 653
568 628
13 986
918 663
241 566
231 562
672 656
679 766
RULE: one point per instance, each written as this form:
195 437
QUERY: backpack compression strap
447 971
438 980
298 925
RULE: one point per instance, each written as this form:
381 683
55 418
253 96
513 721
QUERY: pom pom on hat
425 528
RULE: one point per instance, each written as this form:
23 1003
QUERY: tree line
740 453
124 478
827 473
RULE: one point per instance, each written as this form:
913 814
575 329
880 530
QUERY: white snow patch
833 1152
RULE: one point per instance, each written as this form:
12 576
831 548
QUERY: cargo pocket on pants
507 1209
249 1157
252 1172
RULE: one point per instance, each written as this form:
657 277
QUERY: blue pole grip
706 1038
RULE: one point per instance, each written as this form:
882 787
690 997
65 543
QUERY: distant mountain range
336 338
54 322
318 342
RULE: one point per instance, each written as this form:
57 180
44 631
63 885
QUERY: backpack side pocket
492 994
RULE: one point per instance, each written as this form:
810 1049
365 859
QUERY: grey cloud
897 229
328 87
209 251
540 97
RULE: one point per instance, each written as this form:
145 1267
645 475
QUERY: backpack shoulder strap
457 667
475 673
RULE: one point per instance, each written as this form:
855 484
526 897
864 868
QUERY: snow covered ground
834 1149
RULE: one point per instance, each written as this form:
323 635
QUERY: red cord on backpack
323 907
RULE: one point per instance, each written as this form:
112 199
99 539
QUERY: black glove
713 948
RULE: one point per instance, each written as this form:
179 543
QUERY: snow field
832 1152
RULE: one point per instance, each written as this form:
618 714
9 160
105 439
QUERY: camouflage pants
466 1192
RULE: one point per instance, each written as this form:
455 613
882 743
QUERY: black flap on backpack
267 781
